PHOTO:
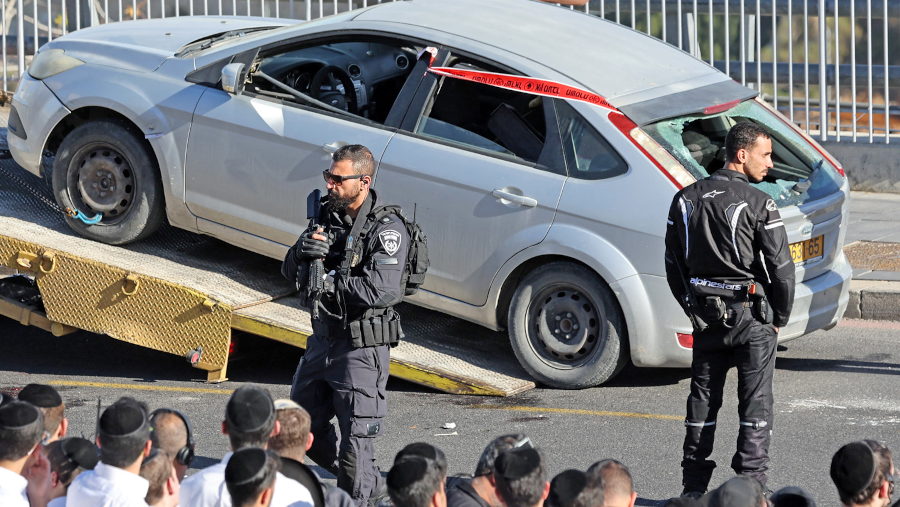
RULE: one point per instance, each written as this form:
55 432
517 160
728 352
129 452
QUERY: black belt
328 331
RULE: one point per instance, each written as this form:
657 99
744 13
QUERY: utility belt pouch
394 330
715 308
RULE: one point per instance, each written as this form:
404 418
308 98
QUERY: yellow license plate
807 251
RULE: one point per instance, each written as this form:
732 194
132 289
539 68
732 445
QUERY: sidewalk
872 246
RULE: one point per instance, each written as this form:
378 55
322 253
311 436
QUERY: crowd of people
140 458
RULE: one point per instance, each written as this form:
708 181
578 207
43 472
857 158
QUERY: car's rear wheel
105 167
566 327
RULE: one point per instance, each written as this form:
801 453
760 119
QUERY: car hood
143 45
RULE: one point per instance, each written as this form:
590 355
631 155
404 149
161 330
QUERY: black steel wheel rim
565 326
100 179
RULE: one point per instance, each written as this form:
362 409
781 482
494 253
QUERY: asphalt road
831 387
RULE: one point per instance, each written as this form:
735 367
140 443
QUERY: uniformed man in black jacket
729 265
340 375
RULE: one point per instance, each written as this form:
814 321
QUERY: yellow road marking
141 387
601 413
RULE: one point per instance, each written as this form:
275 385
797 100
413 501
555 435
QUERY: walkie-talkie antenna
415 208
97 424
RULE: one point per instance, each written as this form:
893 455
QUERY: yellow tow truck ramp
177 291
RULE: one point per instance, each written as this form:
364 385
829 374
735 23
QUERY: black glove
311 248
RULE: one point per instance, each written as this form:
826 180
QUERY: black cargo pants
334 379
750 347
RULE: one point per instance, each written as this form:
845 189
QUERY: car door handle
521 200
333 147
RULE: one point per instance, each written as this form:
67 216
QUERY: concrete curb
874 300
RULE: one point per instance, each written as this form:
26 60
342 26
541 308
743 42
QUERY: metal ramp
177 291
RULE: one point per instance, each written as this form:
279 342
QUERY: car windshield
250 33
698 143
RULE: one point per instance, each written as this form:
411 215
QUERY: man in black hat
124 442
249 422
521 477
481 491
574 488
792 496
48 400
416 481
425 450
68 458
21 430
251 475
291 444
740 491
618 486
864 474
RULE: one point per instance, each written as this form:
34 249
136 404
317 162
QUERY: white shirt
107 486
59 501
207 488
12 489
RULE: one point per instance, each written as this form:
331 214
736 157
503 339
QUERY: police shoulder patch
771 206
391 241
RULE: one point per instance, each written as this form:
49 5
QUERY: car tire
563 299
105 166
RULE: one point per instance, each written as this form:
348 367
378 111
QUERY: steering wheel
334 98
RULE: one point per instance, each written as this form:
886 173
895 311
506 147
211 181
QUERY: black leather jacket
724 231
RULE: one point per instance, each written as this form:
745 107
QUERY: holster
376 327
761 308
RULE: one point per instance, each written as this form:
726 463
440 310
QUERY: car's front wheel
566 327
104 167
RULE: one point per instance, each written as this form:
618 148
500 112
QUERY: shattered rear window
698 143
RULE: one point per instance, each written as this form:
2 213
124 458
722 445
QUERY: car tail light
822 151
685 340
656 153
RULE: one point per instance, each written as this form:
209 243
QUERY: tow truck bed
177 291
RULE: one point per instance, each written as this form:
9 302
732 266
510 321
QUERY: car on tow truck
545 216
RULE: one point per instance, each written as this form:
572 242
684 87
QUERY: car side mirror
232 78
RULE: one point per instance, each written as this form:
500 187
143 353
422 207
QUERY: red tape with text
525 85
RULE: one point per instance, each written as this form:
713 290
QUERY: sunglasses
337 179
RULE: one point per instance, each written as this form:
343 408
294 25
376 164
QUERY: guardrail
799 54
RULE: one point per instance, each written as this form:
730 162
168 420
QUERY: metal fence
826 64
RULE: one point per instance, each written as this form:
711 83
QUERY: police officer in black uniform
345 368
729 265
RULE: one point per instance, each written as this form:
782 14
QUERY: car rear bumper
39 112
820 302
654 318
